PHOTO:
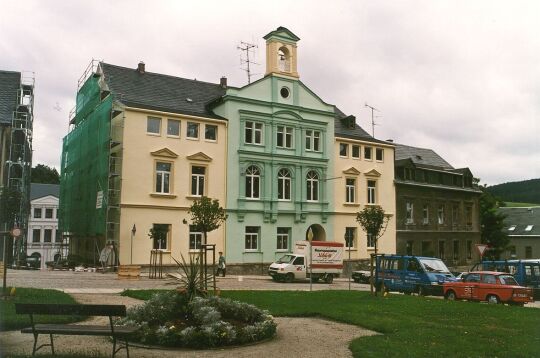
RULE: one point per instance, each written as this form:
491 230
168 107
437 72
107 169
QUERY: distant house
437 207
44 240
523 227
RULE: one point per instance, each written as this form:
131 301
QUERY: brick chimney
140 68
223 82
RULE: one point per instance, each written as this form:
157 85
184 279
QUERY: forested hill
526 191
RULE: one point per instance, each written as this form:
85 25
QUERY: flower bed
169 319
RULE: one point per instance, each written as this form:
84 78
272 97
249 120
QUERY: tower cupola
281 54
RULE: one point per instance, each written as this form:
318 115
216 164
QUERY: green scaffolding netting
85 158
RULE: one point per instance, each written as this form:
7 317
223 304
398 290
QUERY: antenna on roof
373 124
247 48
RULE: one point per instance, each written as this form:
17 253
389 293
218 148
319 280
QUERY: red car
493 287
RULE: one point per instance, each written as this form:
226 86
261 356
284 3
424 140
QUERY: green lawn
520 205
411 326
9 320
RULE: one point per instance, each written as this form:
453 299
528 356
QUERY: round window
284 92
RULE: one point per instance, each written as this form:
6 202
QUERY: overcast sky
459 77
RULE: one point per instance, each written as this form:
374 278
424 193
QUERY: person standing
221 264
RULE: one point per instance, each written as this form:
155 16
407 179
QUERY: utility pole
372 119
247 47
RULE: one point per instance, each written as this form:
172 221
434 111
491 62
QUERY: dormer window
512 228
284 63
529 227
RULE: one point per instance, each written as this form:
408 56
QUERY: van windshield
434 265
287 259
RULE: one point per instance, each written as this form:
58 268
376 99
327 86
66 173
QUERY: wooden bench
115 332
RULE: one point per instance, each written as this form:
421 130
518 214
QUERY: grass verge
9 320
411 326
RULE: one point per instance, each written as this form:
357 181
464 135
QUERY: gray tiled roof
521 218
9 83
161 92
38 190
344 130
421 156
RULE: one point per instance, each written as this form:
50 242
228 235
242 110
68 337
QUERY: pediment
372 173
200 157
164 152
352 171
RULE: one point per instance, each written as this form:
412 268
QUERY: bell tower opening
281 54
318 233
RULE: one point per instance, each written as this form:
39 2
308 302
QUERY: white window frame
253 238
163 174
350 191
353 240
281 237
440 215
255 128
196 237
346 147
287 137
40 211
313 140
369 150
371 192
379 150
216 132
253 181
409 212
312 186
425 214
370 241
148 119
359 151
197 190
170 120
45 231
38 237
190 124
284 177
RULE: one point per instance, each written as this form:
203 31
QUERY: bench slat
73 329
71 309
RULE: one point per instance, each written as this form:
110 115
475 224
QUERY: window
440 215
469 249
37 213
425 214
468 214
284 137
192 130
408 174
210 132
58 237
489 279
441 250
252 237
284 185
528 252
370 241
173 127
160 236
312 186
153 125
409 248
371 197
253 133
253 181
512 250
350 237
284 92
343 150
426 248
356 151
455 214
367 153
313 139
409 213
379 154
197 180
47 235
529 227
48 213
512 228
163 175
195 238
456 250
36 235
350 187
282 238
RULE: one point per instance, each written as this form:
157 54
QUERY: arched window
312 179
284 63
284 185
253 181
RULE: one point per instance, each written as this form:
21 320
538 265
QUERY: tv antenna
247 48
373 124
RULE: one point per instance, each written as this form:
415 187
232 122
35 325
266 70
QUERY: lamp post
310 238
133 231
348 244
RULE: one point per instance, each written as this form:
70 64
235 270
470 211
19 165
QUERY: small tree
492 225
206 215
44 174
373 221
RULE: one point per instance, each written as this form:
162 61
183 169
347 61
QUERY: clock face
16 232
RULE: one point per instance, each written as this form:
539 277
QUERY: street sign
16 232
481 249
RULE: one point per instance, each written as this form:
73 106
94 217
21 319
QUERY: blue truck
411 274
526 272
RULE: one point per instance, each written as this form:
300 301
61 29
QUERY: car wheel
450 295
492 299
329 278
289 277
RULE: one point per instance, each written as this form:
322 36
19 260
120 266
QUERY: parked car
361 276
493 287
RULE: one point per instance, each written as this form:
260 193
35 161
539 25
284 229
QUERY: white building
44 242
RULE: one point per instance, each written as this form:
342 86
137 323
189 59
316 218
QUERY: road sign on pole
481 249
